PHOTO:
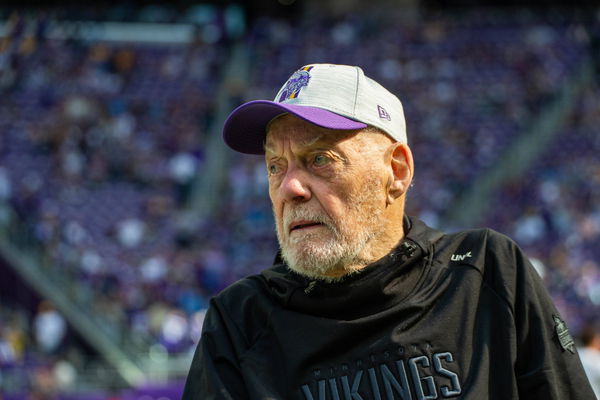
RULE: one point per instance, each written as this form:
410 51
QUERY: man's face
328 194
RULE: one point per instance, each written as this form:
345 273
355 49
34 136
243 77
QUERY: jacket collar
384 282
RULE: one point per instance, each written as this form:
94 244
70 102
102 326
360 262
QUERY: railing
58 284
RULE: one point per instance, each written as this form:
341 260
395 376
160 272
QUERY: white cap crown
346 91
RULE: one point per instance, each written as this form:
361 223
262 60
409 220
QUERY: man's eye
321 159
273 169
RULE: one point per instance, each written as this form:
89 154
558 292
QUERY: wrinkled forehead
299 133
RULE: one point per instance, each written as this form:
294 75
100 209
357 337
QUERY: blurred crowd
35 352
102 143
553 211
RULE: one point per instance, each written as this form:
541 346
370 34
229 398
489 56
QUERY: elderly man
364 302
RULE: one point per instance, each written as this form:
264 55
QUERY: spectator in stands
50 328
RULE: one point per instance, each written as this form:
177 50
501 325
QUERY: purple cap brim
245 128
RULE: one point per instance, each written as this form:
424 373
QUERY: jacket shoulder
475 247
243 294
499 260
246 304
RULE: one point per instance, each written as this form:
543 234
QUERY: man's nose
295 186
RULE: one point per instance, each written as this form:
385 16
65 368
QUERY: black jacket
459 315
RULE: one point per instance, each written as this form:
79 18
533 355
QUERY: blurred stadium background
121 212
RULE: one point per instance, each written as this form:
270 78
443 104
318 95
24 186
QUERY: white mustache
302 213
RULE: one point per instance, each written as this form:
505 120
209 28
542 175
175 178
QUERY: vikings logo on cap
296 82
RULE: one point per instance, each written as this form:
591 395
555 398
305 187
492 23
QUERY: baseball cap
327 95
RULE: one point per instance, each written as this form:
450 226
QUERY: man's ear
401 170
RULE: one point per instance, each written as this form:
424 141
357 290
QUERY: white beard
336 245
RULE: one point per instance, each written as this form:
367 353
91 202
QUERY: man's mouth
301 225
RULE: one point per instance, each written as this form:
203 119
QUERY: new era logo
383 114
